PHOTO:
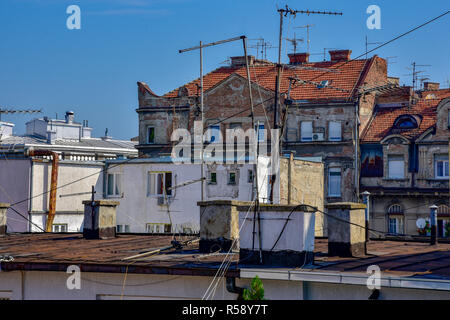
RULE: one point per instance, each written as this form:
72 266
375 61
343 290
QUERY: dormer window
405 122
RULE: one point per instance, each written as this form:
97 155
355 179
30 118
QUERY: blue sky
94 71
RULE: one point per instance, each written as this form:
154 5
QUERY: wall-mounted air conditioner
318 136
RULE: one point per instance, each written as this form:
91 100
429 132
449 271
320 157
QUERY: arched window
405 122
443 209
395 219
395 209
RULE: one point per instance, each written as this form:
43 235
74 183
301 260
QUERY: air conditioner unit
318 136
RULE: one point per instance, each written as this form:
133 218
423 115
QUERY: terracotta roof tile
346 77
384 118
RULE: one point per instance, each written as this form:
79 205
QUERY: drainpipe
53 184
232 288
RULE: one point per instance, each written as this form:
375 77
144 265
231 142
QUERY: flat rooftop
56 251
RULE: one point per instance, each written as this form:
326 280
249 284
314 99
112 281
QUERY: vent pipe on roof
69 116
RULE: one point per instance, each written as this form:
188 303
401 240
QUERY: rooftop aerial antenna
264 45
17 111
294 42
370 43
283 13
415 72
307 26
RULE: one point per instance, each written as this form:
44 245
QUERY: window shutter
334 182
396 167
306 131
334 131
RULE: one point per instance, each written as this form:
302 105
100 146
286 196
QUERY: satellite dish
421 223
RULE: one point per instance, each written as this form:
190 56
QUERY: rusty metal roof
54 252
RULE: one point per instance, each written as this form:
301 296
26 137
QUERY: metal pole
366 195
201 108
433 224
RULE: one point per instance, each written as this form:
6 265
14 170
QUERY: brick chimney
428 86
340 55
99 219
240 61
298 58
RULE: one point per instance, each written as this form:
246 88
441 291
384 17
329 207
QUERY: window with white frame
334 182
306 131
114 184
395 225
159 183
334 131
60 227
123 228
396 167
259 128
441 166
158 228
150 135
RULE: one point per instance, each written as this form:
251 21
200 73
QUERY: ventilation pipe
53 183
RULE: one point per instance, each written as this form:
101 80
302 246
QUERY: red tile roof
384 118
346 77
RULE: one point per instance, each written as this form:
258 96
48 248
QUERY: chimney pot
340 55
69 116
298 58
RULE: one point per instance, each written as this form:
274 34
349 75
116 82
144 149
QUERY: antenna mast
307 26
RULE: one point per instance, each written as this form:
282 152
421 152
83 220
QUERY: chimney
240 61
340 55
99 219
298 58
3 209
345 237
6 129
69 116
429 86
221 220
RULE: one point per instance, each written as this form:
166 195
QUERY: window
306 131
259 128
159 183
334 182
123 228
395 225
443 228
250 177
235 125
158 228
214 134
212 178
405 122
60 227
114 182
395 209
334 131
441 166
396 167
232 178
151 135
442 209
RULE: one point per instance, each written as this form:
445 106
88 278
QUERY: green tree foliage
256 291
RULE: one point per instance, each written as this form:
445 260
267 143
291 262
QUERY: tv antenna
17 111
307 26
415 72
294 42
370 43
264 45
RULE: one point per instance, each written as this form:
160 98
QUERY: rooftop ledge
245 205
4 205
345 205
